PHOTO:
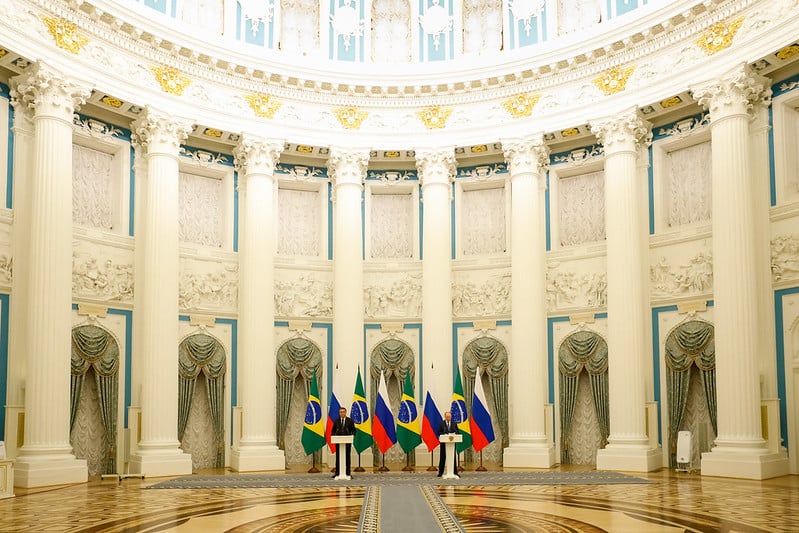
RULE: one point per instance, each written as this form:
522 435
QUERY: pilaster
257 449
528 160
623 136
740 450
46 455
158 136
436 167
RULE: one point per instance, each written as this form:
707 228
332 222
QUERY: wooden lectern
341 459
449 440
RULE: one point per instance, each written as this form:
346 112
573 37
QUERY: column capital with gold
44 91
627 131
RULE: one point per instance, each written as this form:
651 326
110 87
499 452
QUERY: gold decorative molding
434 117
65 34
110 101
570 132
719 36
521 105
478 149
614 80
304 149
350 117
3 52
212 132
785 53
263 105
671 102
171 80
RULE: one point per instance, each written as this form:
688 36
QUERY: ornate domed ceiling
372 74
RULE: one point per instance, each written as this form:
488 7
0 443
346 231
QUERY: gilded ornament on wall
350 117
614 79
65 34
434 117
110 101
3 52
170 79
785 53
263 105
521 105
719 36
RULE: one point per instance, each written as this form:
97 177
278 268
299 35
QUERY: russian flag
480 421
383 431
430 421
332 414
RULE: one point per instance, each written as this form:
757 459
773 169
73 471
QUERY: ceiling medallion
262 104
350 117
434 117
65 34
521 105
170 79
719 36
614 80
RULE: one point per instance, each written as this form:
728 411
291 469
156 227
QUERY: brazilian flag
313 430
409 429
459 414
360 416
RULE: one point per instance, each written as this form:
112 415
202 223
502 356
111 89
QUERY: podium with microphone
449 440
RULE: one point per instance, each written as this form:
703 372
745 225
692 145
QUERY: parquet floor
673 502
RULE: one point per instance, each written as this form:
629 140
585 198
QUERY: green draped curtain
583 350
490 355
296 356
691 343
94 347
394 358
202 353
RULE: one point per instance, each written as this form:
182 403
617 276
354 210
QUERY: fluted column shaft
436 169
735 279
627 284
159 137
528 160
49 281
348 170
257 450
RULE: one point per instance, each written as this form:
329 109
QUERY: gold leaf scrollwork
65 34
350 117
434 117
614 80
110 101
521 105
719 36
171 80
263 105
3 52
788 52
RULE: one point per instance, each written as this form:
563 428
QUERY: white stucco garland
667 62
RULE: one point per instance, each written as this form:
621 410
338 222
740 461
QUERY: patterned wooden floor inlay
670 503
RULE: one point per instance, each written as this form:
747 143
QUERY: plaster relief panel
307 294
392 295
207 285
481 293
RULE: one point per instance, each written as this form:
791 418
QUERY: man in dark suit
343 425
445 427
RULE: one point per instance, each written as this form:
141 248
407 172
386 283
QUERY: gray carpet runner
404 508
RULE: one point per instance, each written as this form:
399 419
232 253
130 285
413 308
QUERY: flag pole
359 468
407 467
481 468
313 469
431 468
383 468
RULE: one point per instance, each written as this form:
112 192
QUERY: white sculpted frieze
304 296
402 298
105 280
566 288
785 257
211 290
6 269
490 298
695 277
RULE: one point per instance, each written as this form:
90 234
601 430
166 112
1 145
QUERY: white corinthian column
623 137
528 160
257 450
347 168
739 449
436 171
155 317
45 457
